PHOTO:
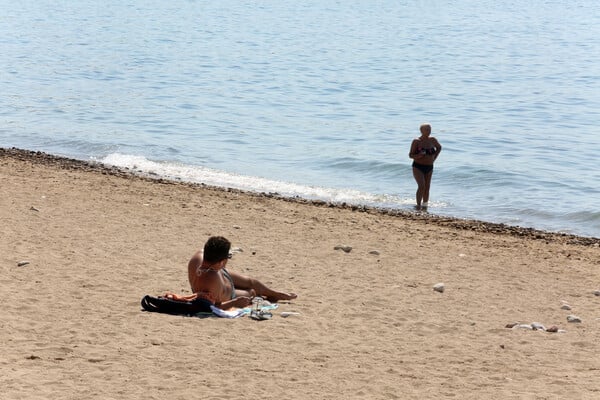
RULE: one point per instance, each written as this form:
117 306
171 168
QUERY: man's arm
193 277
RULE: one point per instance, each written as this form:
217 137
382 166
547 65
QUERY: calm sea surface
321 99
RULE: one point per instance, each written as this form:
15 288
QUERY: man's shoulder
196 260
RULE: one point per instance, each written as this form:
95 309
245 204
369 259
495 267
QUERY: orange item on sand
189 297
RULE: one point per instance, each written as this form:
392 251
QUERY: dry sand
370 325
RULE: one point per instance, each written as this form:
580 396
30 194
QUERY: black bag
176 307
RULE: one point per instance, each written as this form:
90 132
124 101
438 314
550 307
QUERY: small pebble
523 326
511 325
34 209
439 287
536 326
596 292
565 307
345 248
552 329
22 263
374 252
286 314
573 318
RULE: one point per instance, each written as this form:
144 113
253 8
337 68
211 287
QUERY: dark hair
216 249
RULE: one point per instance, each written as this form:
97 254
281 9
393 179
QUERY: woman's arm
438 147
413 150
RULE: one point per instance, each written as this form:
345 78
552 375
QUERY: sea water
321 99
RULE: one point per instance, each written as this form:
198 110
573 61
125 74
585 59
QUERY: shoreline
474 225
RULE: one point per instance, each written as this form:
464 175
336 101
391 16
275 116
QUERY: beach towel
190 305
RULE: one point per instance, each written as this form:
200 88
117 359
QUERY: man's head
216 249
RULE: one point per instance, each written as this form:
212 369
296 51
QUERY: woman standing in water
424 150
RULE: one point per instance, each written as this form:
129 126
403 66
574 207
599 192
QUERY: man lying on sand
210 280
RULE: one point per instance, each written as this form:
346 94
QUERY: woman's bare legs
423 185
420 179
426 188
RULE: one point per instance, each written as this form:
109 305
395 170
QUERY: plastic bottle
257 303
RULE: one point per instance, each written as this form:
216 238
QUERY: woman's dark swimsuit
425 169
431 151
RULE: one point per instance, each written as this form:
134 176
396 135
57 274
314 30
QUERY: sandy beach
82 244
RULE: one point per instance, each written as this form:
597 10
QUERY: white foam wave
208 176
